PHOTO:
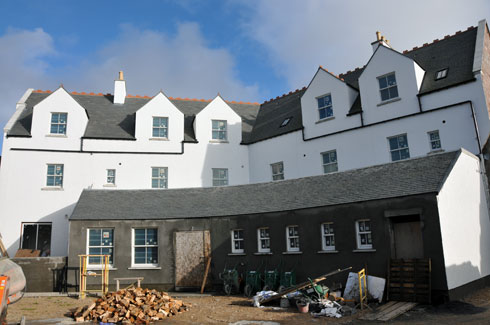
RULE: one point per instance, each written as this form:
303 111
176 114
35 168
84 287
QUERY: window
434 140
325 106
220 176
219 130
159 177
388 87
277 171
363 232
237 246
111 176
399 147
329 161
441 74
55 175
285 122
58 123
37 236
264 240
160 127
100 242
145 246
328 237
292 238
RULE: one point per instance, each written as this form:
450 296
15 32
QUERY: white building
398 106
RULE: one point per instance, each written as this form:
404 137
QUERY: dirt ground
475 309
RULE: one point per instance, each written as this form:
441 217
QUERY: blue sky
246 50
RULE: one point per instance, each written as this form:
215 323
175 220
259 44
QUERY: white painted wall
465 224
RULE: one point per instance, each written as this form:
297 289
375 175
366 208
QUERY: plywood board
192 249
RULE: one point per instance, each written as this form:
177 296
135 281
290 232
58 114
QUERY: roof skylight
285 122
441 74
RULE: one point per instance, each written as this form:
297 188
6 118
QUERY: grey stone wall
42 273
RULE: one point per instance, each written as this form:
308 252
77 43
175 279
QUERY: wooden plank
374 315
205 275
402 308
28 253
2 249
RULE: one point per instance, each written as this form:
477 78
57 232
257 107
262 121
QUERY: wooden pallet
410 280
389 311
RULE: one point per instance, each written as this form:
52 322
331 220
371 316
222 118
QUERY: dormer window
325 106
285 122
58 123
219 131
160 127
441 74
388 87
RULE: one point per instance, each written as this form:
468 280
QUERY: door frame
390 214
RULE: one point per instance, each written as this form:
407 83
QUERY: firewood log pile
135 305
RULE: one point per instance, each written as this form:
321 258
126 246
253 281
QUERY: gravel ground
238 310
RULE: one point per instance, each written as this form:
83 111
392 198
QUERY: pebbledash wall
358 131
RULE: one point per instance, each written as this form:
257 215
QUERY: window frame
398 149
288 237
326 248
431 141
159 178
233 240
134 246
359 233
153 127
443 72
388 87
218 130
113 246
21 242
113 183
277 174
336 163
58 124
219 179
260 239
54 175
325 107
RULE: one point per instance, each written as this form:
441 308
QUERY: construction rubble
135 305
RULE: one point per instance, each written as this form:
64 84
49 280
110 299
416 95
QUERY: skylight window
285 122
441 74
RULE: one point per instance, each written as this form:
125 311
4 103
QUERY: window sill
435 151
263 253
389 101
328 252
145 268
52 188
237 254
292 253
109 185
365 250
56 136
218 141
99 268
158 139
325 119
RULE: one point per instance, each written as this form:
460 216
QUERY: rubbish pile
135 305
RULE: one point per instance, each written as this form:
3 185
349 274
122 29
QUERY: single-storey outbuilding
430 207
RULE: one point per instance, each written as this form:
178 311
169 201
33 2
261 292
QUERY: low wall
43 274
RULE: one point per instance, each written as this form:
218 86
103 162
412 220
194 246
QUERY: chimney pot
378 35
121 75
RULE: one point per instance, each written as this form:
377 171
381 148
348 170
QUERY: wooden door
408 240
192 250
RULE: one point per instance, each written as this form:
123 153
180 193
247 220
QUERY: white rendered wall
465 224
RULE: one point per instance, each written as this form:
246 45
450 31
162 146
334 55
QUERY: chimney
119 89
380 40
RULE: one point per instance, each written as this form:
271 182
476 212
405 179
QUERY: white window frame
280 175
432 141
398 149
441 74
288 237
87 247
325 107
159 178
233 240
159 128
266 239
330 234
388 87
58 124
219 131
359 233
37 234
134 246
336 163
109 177
217 179
55 175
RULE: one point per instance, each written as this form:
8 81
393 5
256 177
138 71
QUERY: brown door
192 249
408 239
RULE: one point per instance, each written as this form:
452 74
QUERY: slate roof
398 179
106 121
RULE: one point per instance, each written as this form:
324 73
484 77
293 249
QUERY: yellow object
362 288
84 274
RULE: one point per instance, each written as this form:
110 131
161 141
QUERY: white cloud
301 35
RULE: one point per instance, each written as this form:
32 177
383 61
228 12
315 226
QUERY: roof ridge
350 71
439 40
284 95
331 73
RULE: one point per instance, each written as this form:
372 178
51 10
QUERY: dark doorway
407 237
